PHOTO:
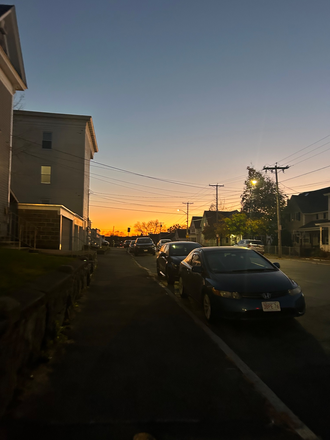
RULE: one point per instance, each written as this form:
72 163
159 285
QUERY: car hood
251 282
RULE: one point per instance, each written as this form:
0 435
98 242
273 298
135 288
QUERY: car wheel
182 291
207 308
169 277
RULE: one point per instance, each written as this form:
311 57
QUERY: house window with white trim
45 174
47 140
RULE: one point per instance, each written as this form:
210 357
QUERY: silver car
161 242
250 243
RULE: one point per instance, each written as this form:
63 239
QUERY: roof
4 9
212 215
11 59
87 119
311 201
181 233
314 224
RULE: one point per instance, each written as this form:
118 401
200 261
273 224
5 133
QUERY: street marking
284 414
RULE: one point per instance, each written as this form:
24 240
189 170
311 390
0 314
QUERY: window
317 216
45 174
47 140
325 215
298 216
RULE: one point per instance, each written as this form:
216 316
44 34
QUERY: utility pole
188 203
279 226
217 206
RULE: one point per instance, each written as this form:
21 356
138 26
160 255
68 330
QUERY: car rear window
144 240
182 249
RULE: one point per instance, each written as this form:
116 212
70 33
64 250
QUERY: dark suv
143 245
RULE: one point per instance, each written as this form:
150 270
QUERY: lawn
21 267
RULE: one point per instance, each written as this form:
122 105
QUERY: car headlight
295 291
226 294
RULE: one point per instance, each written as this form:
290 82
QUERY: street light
253 183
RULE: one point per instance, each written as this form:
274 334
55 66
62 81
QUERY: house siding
6 99
69 159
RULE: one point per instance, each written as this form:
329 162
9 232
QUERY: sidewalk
136 362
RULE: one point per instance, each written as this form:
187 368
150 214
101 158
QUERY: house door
66 234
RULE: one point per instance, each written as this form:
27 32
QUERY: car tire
207 308
169 277
182 291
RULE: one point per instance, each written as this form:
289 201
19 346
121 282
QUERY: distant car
256 245
170 256
130 246
126 243
143 245
161 242
238 283
105 243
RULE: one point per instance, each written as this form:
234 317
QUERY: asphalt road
292 358
136 360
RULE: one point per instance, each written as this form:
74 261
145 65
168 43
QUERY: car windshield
182 249
236 261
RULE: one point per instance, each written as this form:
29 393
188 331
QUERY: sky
184 94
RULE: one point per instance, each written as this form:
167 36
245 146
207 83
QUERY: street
292 358
139 359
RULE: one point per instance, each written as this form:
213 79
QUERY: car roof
226 248
185 242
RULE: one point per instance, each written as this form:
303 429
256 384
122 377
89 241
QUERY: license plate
271 306
145 250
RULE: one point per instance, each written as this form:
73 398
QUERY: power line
302 149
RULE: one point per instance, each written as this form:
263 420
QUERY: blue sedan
238 283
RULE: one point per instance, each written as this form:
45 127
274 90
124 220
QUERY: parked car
131 246
170 256
161 242
126 243
238 283
143 245
256 245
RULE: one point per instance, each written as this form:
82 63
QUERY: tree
258 199
210 232
240 224
237 224
175 227
19 101
151 227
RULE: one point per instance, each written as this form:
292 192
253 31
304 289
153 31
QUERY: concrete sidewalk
136 362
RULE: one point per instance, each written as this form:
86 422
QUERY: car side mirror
197 269
277 265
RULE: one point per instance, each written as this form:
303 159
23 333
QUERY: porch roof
315 225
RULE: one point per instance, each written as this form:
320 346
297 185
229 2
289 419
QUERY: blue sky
188 91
